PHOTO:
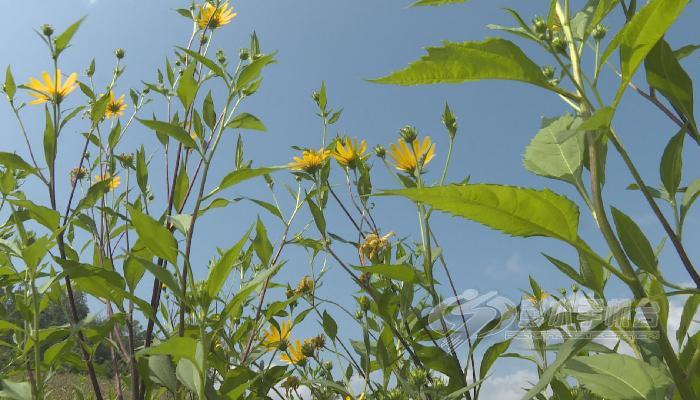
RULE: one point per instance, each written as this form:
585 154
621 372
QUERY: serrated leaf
470 61
154 235
557 150
671 167
399 272
635 244
329 325
11 160
247 121
63 40
172 130
512 210
639 36
241 175
667 76
220 272
619 377
10 85
187 88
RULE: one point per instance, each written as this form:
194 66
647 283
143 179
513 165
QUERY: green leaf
510 209
176 347
491 355
317 214
182 186
401 272
10 85
435 2
49 141
208 111
220 272
252 71
161 273
261 243
11 160
568 349
566 269
187 88
689 312
98 109
181 222
329 325
154 235
685 51
689 197
619 377
667 76
63 40
162 371
43 215
141 169
94 193
557 150
671 166
247 121
470 61
172 130
634 242
640 35
16 390
215 68
241 175
187 374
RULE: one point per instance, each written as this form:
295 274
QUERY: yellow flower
373 246
114 181
275 338
51 90
310 160
406 159
214 17
362 397
348 153
535 299
115 107
305 285
294 354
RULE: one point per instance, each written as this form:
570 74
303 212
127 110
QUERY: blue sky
344 43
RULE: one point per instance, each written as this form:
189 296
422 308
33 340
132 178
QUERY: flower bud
328 365
359 314
450 121
243 54
540 25
47 30
408 134
548 71
316 96
220 56
203 39
574 288
599 32
559 45
380 151
119 53
364 303
308 349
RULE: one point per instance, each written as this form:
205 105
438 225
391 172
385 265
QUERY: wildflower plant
232 329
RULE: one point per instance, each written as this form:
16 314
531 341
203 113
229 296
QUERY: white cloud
513 265
508 387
